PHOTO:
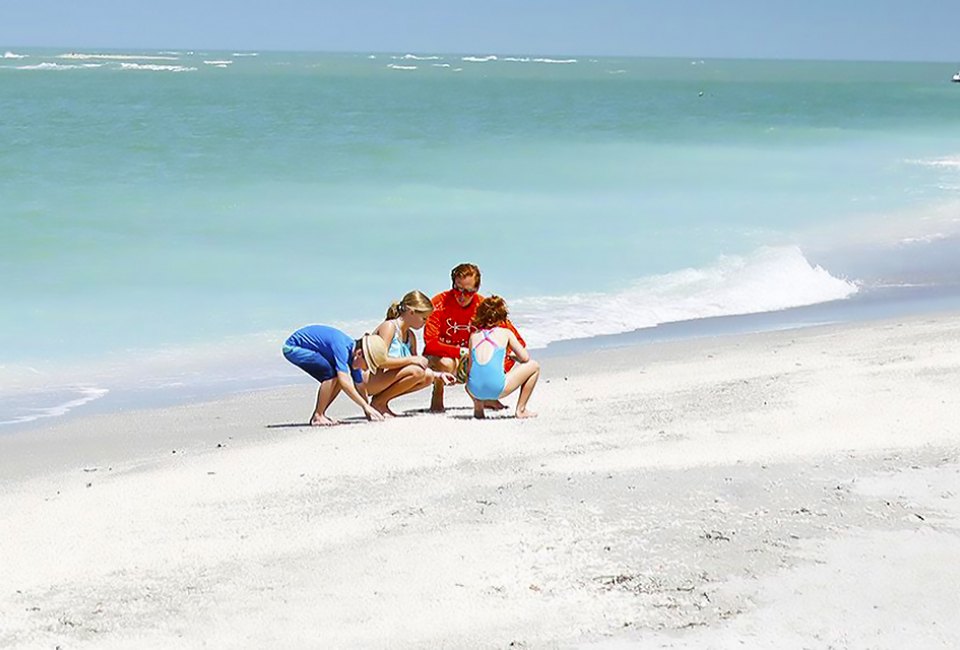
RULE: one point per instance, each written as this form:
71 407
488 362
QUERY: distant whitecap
80 56
46 65
156 68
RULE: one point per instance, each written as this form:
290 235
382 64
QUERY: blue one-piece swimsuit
486 380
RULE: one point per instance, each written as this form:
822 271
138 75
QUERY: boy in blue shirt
336 360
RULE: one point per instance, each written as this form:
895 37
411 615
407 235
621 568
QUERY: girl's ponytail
394 310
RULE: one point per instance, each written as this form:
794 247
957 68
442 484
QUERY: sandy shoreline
785 489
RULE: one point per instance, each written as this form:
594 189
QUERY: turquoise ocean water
167 218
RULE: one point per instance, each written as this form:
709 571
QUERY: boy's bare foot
478 412
526 414
322 421
494 405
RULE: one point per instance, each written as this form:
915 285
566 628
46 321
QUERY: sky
915 30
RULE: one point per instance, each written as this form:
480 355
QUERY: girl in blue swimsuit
404 371
488 347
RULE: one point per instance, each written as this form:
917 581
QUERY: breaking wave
769 279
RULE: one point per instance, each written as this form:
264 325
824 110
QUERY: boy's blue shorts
310 362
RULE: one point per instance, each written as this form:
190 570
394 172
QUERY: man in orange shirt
447 332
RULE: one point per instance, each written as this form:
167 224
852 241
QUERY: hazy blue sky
829 29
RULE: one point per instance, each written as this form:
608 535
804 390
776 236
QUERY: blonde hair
413 301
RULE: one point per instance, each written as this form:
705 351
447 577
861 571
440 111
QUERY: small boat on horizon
956 78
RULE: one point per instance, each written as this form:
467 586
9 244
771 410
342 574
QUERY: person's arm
432 347
508 359
415 358
516 347
386 331
508 325
346 384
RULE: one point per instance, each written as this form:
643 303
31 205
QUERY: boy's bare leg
407 380
440 364
327 392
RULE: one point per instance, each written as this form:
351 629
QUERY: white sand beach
793 489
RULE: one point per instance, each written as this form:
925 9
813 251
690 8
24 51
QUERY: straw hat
374 351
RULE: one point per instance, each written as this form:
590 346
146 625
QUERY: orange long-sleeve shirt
449 327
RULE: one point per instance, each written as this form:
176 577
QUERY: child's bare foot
494 405
382 408
478 412
322 421
526 414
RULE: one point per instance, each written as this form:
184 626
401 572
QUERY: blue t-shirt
334 346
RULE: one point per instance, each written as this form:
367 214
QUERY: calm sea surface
166 218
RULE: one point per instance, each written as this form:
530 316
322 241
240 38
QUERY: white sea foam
80 56
526 59
245 54
401 67
440 65
949 162
925 223
46 65
219 63
414 57
87 395
925 239
770 279
13 55
479 59
156 68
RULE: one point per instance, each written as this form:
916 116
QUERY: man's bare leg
327 392
440 364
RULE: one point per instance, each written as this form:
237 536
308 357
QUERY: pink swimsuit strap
487 339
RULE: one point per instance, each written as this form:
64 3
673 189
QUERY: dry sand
795 489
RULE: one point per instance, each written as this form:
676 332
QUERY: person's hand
373 415
420 361
448 378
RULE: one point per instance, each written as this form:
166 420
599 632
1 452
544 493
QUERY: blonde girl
404 371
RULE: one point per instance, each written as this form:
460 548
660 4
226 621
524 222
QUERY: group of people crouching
467 339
